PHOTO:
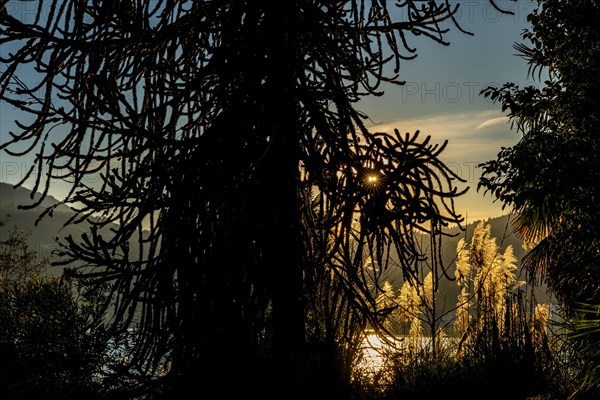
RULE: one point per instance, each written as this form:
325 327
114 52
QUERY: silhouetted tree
208 125
18 263
551 177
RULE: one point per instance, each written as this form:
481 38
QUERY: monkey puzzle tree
208 125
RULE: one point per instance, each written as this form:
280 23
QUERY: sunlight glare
372 179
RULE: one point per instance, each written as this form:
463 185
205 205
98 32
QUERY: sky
440 97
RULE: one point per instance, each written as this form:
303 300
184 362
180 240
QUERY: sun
372 179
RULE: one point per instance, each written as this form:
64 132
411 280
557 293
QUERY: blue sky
441 95
440 98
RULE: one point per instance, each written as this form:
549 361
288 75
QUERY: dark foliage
51 345
551 177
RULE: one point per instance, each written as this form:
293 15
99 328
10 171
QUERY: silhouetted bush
51 343
47 349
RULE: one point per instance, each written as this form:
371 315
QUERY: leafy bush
50 346
47 349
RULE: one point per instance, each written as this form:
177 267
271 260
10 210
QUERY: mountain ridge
46 235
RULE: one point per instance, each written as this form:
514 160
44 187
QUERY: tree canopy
551 177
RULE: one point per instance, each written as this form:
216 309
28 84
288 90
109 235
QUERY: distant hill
23 196
45 236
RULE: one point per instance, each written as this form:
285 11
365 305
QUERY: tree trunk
284 266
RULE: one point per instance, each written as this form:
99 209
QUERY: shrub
50 346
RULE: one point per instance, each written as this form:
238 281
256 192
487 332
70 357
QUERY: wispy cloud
472 136
493 121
